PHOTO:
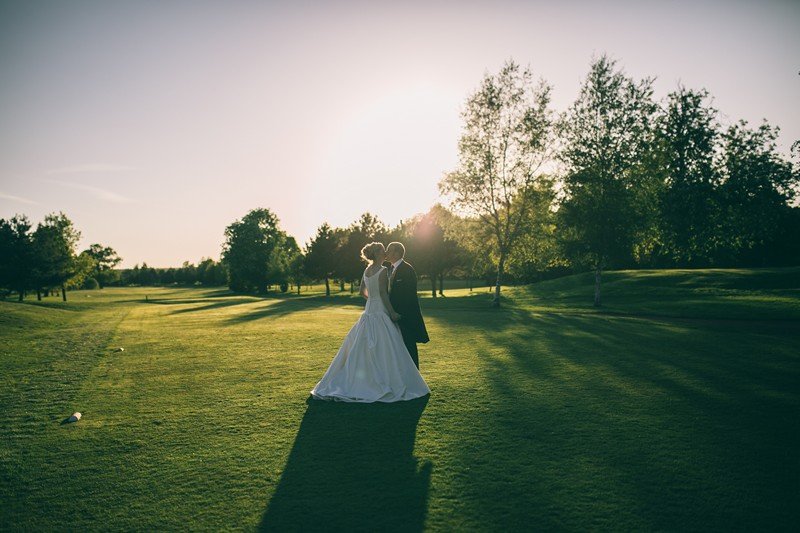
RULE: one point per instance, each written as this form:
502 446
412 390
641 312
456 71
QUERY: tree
611 184
690 206
537 253
288 259
297 273
320 255
83 269
16 254
105 259
506 140
758 188
435 252
254 251
211 273
55 261
348 255
146 275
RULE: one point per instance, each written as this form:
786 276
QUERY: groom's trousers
409 339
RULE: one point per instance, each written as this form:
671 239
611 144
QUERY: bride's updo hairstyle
372 251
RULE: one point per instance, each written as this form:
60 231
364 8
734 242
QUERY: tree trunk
39 294
21 295
298 289
441 284
327 287
469 283
433 285
341 285
597 271
351 287
500 265
63 293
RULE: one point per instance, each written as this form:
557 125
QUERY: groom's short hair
397 246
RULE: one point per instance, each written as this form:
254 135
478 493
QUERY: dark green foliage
758 186
348 263
105 259
256 252
208 272
16 254
431 249
611 182
320 262
691 205
211 273
54 259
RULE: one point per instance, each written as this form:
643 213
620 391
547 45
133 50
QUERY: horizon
154 127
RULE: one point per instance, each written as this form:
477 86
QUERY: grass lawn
676 406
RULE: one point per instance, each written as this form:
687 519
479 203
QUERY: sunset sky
153 125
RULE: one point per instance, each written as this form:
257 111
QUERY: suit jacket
403 296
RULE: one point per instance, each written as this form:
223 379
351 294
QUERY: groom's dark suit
403 297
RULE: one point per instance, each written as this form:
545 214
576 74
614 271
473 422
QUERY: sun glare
390 152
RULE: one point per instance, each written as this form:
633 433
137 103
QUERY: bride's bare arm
363 288
383 284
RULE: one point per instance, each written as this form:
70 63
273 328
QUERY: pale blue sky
153 125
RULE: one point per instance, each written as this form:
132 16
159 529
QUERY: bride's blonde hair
370 251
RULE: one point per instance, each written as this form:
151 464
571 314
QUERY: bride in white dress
373 363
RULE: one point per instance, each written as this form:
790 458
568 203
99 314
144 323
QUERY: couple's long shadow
352 468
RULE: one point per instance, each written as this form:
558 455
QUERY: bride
373 363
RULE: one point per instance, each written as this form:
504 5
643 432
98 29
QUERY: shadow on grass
216 305
654 424
276 307
352 468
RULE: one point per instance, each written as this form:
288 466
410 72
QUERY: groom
403 297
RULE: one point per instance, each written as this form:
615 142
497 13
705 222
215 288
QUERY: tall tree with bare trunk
507 139
611 182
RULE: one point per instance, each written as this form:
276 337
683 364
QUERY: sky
154 125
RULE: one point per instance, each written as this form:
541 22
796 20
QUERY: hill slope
752 294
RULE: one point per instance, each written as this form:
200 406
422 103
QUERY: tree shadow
691 429
216 305
282 307
352 468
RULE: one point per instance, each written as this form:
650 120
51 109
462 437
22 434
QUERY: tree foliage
255 252
506 140
690 207
611 183
320 258
104 259
16 254
434 250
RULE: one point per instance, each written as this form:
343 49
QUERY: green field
676 406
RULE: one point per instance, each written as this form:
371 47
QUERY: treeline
259 255
44 259
618 180
207 272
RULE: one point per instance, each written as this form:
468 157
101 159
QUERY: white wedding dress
373 363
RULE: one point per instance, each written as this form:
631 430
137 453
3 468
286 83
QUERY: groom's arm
413 284
410 287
